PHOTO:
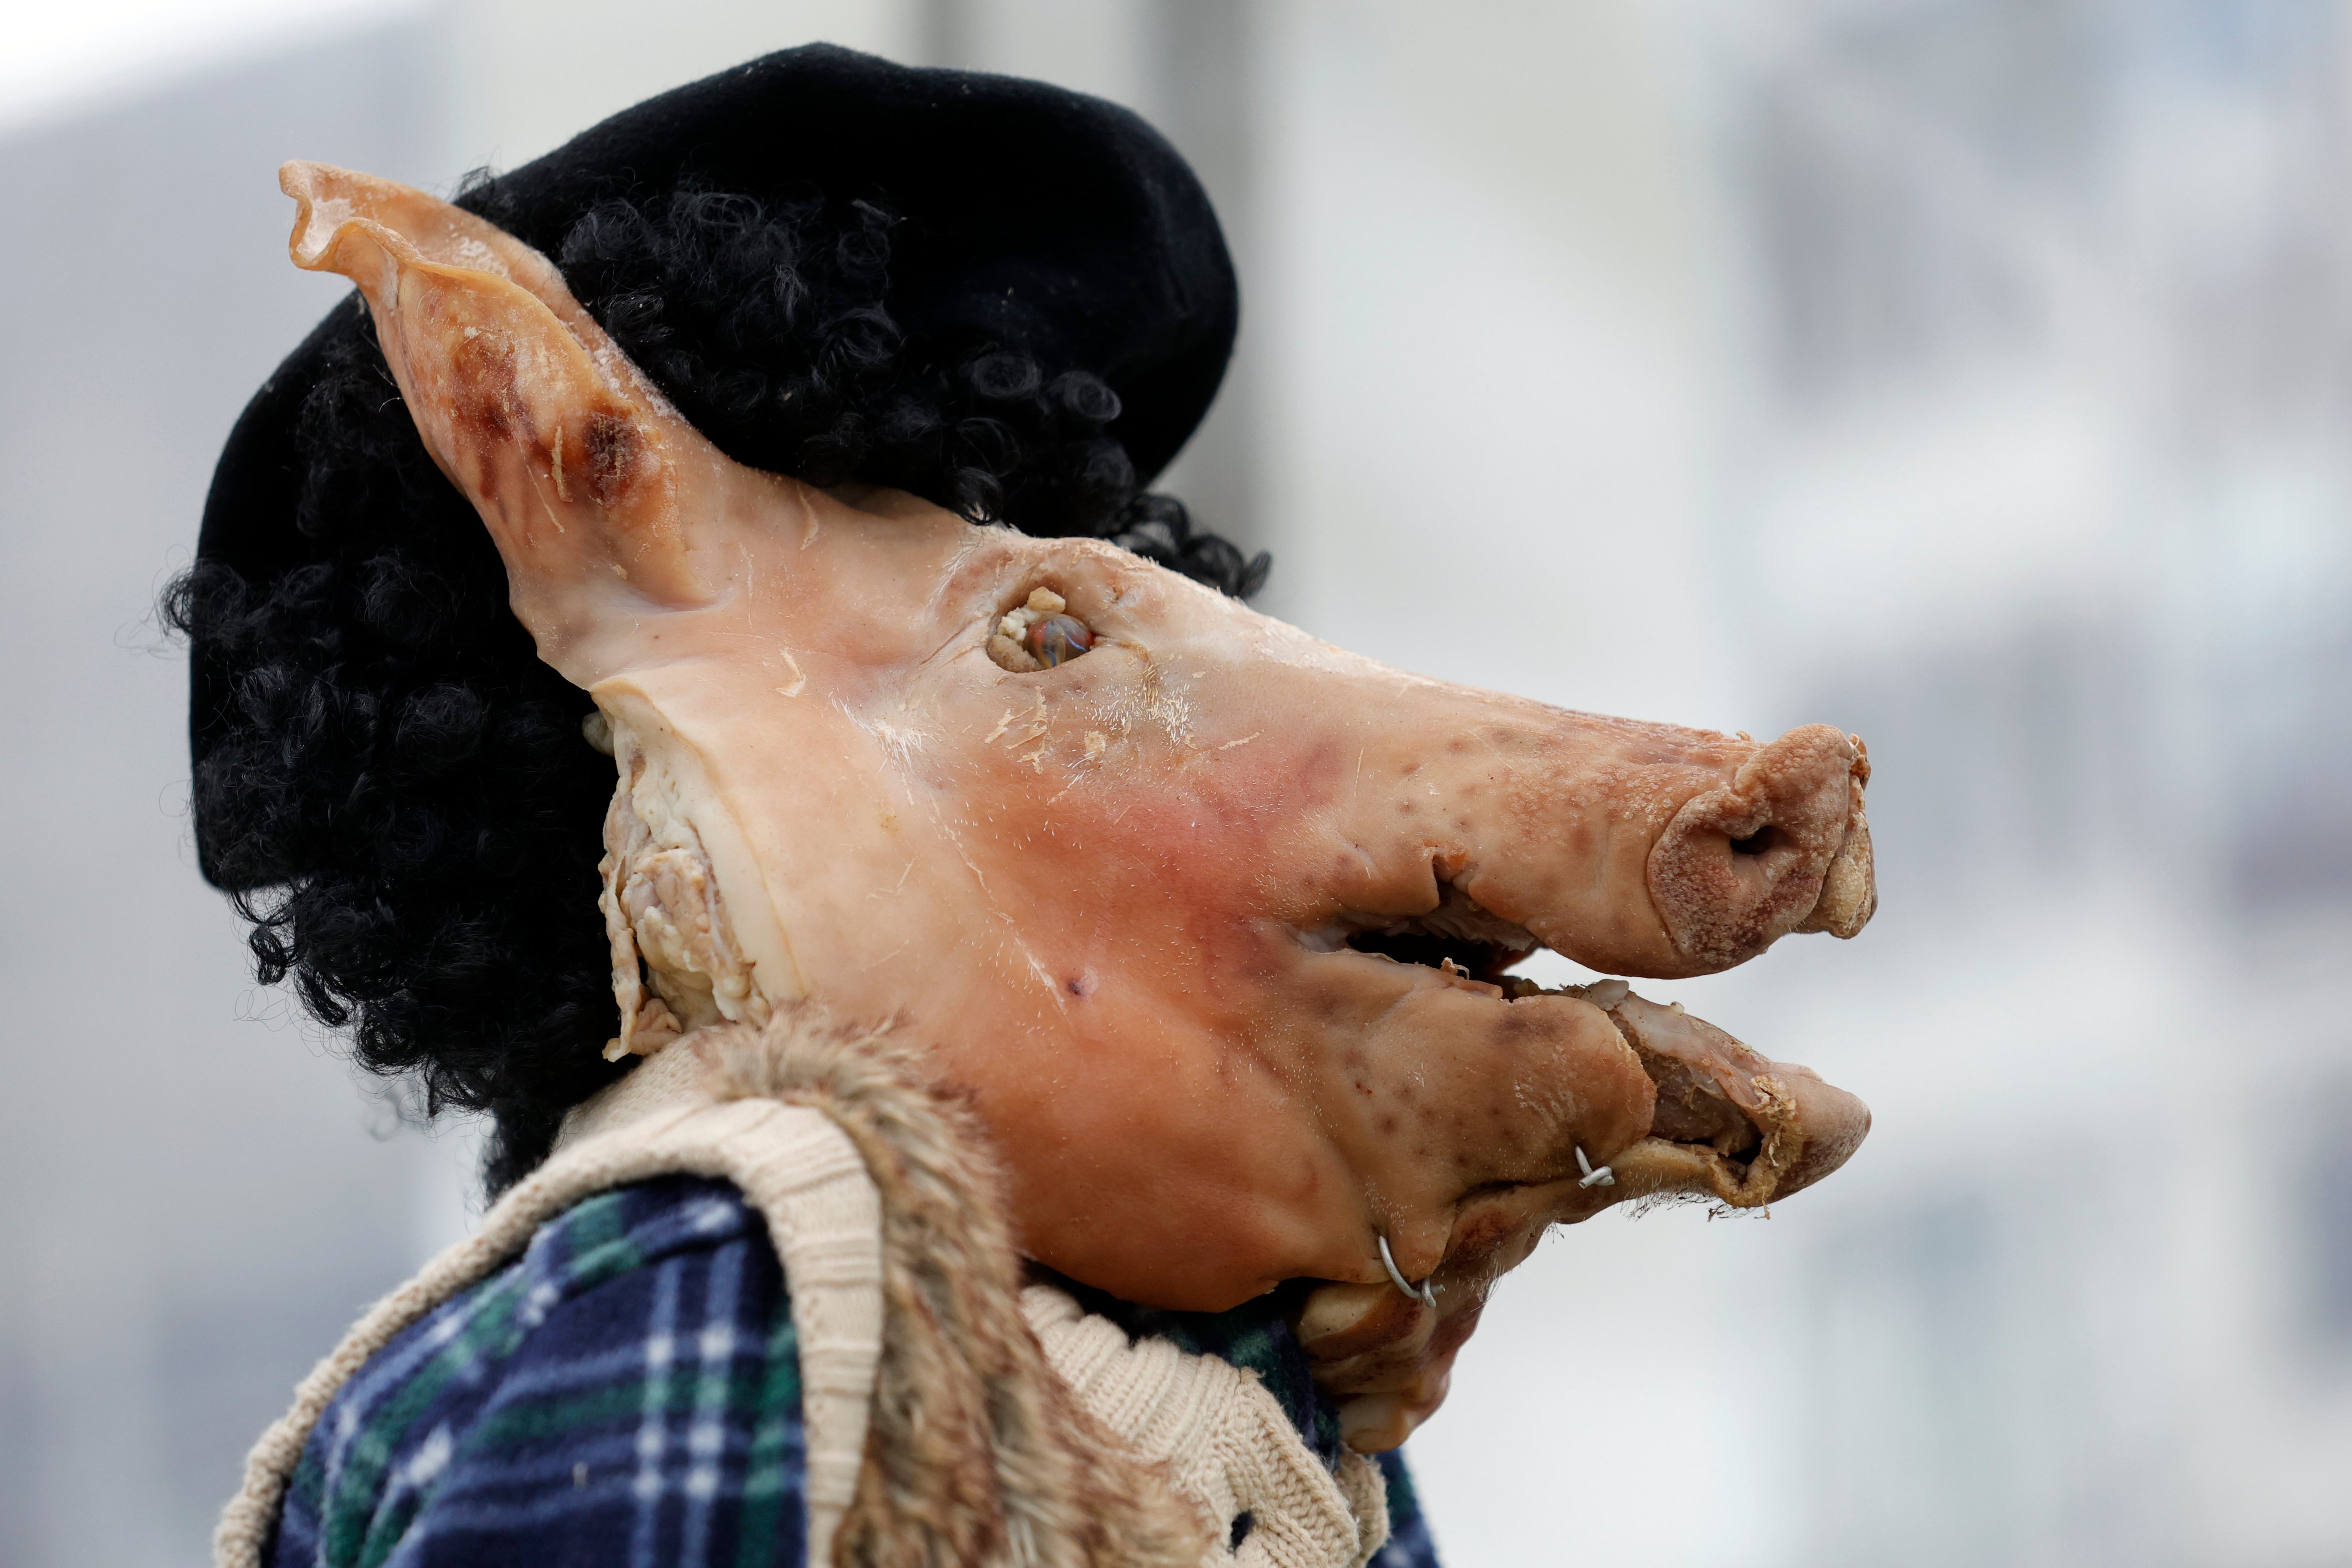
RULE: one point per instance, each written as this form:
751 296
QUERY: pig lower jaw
1465 941
1700 1145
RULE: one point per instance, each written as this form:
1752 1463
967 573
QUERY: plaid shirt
627 1392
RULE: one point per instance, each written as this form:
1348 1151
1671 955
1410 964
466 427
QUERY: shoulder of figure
628 1388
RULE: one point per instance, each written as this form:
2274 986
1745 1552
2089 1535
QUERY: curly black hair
416 815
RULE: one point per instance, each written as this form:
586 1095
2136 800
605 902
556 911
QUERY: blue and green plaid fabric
628 1393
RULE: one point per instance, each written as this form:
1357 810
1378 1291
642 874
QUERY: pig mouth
1457 937
1727 1124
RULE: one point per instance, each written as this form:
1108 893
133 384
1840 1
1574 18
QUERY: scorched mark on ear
618 459
570 456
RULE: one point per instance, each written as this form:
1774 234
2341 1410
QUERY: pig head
1209 921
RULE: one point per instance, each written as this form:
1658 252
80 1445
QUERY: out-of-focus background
1974 374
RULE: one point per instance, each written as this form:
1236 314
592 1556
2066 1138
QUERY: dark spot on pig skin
1519 1025
1386 1127
483 402
1077 984
614 448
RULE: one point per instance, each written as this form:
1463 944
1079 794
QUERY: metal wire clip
1424 1295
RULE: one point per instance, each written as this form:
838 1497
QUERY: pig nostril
1755 843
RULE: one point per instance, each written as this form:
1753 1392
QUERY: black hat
1030 217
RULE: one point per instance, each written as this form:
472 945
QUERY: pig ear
575 462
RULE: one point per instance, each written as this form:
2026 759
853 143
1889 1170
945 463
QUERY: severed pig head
1208 921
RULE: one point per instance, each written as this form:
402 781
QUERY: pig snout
1784 847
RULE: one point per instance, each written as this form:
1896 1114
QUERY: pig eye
1040 635
1056 639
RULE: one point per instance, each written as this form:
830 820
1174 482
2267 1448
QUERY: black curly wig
392 787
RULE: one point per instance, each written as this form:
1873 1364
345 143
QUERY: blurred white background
1970 373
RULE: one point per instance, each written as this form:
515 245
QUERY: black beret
1038 218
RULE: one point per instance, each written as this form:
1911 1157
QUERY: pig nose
1784 847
